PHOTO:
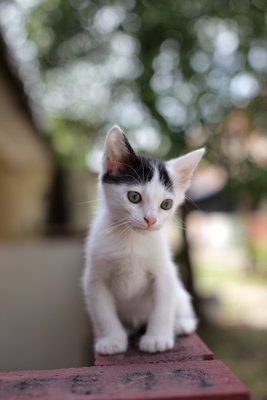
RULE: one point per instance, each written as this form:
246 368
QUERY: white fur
130 279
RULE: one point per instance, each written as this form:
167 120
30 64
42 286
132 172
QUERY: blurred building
41 309
26 162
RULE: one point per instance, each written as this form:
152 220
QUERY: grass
242 295
238 334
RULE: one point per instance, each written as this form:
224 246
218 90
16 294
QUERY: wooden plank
197 380
187 348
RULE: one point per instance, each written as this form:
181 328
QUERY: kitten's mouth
146 228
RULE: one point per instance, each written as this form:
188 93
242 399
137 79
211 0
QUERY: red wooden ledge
169 375
186 348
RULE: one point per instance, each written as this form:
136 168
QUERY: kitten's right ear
182 168
117 150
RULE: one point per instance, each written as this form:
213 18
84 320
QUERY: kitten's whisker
125 231
115 225
134 179
86 202
103 235
120 220
181 223
192 201
129 166
136 220
124 227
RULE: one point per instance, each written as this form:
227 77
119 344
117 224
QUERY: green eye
134 197
166 204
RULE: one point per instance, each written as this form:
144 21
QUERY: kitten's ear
182 168
117 150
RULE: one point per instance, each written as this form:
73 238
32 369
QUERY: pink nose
150 221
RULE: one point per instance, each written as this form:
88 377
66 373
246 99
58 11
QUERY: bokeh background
175 75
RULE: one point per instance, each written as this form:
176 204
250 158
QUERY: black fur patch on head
133 170
138 170
164 176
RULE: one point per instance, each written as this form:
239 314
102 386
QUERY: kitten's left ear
117 150
182 168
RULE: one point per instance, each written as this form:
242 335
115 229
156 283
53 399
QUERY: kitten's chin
145 229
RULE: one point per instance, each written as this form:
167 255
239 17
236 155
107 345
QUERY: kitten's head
141 191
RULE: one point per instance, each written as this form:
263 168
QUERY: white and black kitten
130 279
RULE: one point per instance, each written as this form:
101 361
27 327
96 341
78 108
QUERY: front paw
153 343
111 345
185 325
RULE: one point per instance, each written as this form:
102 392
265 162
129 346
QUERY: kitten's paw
153 344
185 325
111 345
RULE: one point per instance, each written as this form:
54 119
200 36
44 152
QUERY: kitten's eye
134 197
166 204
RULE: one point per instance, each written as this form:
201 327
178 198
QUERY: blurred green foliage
243 350
170 73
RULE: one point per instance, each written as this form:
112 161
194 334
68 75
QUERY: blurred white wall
42 318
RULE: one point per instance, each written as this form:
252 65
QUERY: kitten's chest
130 281
131 268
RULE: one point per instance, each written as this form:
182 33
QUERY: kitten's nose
150 221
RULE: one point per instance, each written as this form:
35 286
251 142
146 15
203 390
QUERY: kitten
130 279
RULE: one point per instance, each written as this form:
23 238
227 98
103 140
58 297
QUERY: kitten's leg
110 335
185 319
160 329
